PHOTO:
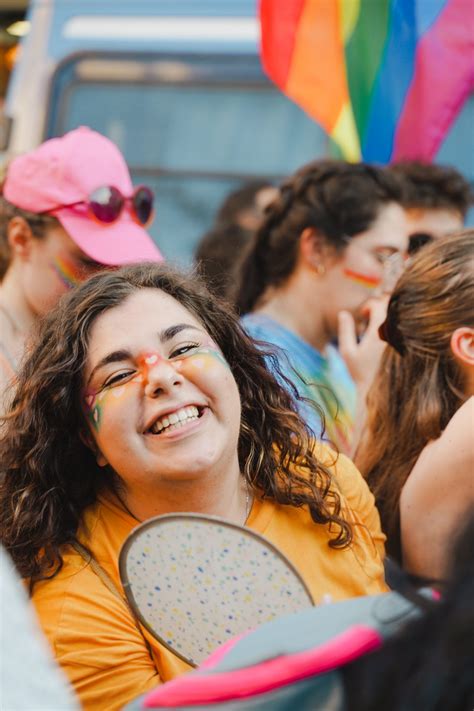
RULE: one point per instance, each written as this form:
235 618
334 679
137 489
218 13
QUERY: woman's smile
175 419
180 423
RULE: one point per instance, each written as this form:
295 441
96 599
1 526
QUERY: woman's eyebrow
168 333
114 357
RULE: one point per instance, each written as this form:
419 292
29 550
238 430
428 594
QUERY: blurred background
178 86
12 27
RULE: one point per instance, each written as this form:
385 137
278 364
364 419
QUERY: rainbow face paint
198 359
94 402
202 359
68 271
365 280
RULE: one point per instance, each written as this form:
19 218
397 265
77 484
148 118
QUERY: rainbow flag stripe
384 78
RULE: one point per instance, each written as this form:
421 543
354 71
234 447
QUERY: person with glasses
67 210
436 199
331 241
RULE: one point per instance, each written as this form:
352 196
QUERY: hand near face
363 357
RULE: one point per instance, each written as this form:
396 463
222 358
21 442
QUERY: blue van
178 86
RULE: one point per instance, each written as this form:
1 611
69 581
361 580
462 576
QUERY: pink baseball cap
66 170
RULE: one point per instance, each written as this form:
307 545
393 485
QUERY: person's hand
363 357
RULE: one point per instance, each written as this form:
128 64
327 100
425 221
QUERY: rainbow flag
384 78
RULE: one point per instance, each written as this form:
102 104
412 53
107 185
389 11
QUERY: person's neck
295 306
15 304
208 495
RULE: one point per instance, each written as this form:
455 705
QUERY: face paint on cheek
203 360
96 404
67 271
365 280
93 411
211 349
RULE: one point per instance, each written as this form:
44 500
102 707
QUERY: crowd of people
343 330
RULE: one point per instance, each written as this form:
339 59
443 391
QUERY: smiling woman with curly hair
143 396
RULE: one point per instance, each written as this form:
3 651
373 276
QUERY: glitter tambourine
196 581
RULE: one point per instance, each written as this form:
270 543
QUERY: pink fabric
65 170
267 676
221 651
443 78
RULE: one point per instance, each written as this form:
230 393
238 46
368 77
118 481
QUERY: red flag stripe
279 21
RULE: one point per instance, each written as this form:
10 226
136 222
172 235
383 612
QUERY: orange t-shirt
94 636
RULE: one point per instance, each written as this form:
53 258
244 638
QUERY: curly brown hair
338 199
419 386
51 476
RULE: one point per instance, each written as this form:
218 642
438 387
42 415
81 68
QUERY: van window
192 129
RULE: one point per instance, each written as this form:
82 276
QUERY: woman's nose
161 376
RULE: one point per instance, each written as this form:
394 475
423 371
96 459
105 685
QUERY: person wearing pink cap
67 209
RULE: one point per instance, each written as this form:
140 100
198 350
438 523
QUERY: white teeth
175 419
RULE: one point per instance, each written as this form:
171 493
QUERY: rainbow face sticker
200 358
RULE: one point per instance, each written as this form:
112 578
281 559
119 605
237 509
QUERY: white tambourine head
196 581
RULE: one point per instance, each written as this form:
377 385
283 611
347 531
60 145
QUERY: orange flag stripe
318 62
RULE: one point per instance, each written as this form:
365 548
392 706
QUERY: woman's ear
88 440
20 237
314 250
462 345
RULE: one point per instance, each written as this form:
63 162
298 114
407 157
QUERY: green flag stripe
364 53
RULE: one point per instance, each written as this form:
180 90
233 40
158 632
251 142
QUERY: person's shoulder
437 494
346 476
346 479
357 501
261 327
448 462
337 364
75 577
460 429
74 599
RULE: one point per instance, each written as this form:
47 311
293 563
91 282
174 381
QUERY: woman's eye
118 378
182 350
